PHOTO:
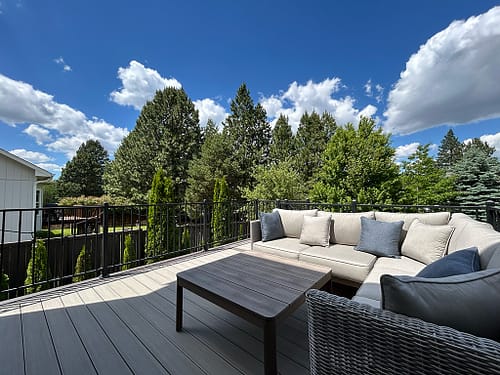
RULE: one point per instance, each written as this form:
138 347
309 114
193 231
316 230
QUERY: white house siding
17 190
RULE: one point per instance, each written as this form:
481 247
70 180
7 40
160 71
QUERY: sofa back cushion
470 232
346 226
292 220
426 243
468 302
433 218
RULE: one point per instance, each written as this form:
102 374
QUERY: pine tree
358 164
423 181
83 174
450 151
282 141
162 231
83 265
128 253
477 177
38 269
249 134
167 135
311 141
476 143
215 160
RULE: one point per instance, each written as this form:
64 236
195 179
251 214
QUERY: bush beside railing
103 230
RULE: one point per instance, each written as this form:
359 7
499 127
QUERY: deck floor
126 324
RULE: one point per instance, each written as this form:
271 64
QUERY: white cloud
368 88
51 167
493 140
40 134
20 103
380 93
139 84
313 96
60 61
452 79
402 152
209 109
31 156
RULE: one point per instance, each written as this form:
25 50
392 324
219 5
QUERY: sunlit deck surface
126 324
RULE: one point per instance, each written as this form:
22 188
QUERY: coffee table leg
270 364
178 310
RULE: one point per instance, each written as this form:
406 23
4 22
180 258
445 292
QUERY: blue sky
71 71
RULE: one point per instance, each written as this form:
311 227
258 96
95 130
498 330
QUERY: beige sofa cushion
370 289
470 232
433 218
345 262
292 220
346 226
286 247
316 231
426 243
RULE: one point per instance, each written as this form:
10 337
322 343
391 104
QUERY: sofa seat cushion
432 218
370 289
469 232
286 247
345 262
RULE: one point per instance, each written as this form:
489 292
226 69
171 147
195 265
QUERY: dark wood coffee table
261 289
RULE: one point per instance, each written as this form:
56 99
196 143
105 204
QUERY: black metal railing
47 247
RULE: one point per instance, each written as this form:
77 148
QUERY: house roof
40 173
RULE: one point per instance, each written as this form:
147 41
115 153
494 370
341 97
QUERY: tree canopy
167 135
83 174
358 164
450 151
283 145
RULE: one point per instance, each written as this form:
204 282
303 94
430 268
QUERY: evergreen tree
358 164
162 231
329 124
83 264
4 284
83 174
167 135
221 214
249 134
476 143
423 181
215 160
450 151
278 181
282 141
128 253
38 269
477 177
311 141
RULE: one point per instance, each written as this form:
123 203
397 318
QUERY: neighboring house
19 190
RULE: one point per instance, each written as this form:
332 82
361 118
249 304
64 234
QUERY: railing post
490 217
278 204
256 209
354 207
206 227
104 267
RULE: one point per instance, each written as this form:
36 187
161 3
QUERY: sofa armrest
255 233
346 337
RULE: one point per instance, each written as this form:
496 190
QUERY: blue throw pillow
456 263
270 225
380 238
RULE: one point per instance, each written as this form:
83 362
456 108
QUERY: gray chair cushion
457 263
286 247
316 231
380 238
270 226
292 220
426 243
469 302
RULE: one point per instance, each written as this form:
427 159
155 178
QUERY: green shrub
37 270
4 284
128 253
83 264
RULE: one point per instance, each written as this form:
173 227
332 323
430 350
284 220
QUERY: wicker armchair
346 337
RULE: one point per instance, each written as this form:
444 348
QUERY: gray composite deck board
126 324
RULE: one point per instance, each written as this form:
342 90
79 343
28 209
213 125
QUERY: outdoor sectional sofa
397 333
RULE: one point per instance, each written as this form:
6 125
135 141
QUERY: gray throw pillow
469 302
270 226
457 263
380 238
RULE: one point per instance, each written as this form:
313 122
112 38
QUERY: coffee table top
254 286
